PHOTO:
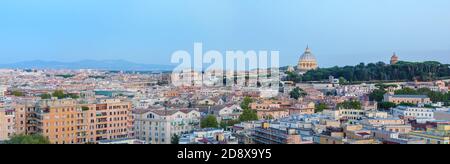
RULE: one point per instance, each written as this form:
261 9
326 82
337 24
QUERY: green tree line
402 71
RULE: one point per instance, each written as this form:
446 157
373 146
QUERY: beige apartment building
69 122
6 123
24 122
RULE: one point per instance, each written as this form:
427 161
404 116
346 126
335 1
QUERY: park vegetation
28 139
402 71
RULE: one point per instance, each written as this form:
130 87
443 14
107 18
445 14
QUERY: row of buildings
70 122
122 107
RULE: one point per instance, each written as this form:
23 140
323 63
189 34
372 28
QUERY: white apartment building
421 114
354 114
229 112
157 126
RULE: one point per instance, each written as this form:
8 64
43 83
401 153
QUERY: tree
407 104
320 107
209 121
377 95
406 91
297 92
342 81
84 108
246 103
226 123
65 76
59 94
352 104
46 96
402 71
384 86
292 76
248 115
386 105
28 139
73 96
18 93
175 139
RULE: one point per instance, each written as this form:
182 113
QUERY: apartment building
227 112
422 115
25 114
69 122
7 121
354 114
114 119
272 135
158 126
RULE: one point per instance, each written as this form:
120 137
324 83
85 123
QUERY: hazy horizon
148 32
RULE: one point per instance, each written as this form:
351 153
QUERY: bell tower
394 59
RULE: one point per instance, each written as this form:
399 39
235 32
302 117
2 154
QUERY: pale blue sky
340 32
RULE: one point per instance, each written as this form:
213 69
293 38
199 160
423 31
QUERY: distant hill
88 64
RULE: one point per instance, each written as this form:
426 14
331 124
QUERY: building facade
69 122
270 135
413 99
420 114
158 126
7 121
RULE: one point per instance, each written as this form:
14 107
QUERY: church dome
307 61
308 56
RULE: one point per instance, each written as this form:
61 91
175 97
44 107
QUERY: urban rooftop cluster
39 106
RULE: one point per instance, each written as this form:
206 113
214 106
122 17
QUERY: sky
344 32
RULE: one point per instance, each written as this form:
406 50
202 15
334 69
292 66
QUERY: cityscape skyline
231 72
149 32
